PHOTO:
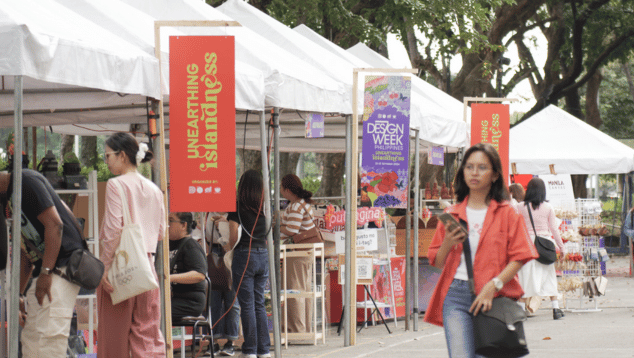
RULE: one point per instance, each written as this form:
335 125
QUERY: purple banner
436 156
385 151
315 125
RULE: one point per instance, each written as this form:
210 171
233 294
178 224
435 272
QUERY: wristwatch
497 283
47 271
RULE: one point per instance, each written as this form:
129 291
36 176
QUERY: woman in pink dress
130 328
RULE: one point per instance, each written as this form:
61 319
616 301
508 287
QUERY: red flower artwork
388 182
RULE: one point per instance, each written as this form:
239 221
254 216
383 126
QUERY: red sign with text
490 123
202 124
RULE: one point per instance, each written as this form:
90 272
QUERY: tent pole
276 193
16 235
416 216
273 265
347 286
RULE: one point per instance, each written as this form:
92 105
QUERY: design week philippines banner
490 123
385 151
202 124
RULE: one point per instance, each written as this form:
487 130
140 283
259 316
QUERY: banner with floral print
385 150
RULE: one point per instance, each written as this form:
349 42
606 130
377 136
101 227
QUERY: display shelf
92 241
315 252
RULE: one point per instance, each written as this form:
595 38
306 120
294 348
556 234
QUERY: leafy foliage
311 184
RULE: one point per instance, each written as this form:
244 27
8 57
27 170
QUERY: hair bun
194 224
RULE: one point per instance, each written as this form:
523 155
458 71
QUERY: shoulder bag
131 273
545 248
499 332
219 271
310 236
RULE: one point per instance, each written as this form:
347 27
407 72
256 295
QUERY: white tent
42 40
434 112
552 136
289 81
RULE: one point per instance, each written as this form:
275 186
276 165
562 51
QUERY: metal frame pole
416 216
16 235
276 194
346 312
273 265
408 248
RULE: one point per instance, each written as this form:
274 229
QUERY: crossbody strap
528 206
178 252
124 204
466 249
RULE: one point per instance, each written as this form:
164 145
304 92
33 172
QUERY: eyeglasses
480 168
107 154
171 221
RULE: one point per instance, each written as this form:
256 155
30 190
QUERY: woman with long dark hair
250 267
130 328
297 217
482 202
536 278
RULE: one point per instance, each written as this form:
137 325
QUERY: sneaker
557 313
265 355
228 350
248 356
216 348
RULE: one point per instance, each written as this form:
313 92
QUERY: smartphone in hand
450 222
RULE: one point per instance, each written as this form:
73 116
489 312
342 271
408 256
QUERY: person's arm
25 271
451 238
484 300
554 228
53 229
110 234
627 227
293 217
189 277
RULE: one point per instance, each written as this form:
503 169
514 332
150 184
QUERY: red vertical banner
202 123
490 123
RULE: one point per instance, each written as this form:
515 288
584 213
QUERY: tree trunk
593 115
249 159
333 166
579 186
628 76
288 163
88 155
68 142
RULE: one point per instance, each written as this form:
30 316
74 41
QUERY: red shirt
503 228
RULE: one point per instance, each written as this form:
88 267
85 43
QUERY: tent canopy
553 136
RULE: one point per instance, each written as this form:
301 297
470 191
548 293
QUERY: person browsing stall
188 267
50 236
482 202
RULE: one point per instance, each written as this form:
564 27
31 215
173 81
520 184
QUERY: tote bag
130 273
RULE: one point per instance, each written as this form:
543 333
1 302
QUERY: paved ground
606 333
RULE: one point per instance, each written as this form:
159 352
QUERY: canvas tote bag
130 273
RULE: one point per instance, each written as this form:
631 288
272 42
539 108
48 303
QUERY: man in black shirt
50 233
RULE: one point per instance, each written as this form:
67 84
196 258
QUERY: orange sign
202 123
490 123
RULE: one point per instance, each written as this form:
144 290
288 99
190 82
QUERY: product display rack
93 243
315 252
589 267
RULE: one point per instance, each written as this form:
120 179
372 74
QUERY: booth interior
571 146
123 83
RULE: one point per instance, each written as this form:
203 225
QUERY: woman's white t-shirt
475 218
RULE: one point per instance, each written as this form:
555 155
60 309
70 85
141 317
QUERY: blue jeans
229 326
251 296
458 321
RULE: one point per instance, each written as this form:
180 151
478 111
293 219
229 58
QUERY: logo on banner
365 215
490 124
385 152
202 123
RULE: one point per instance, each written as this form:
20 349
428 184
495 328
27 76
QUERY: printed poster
385 150
202 123
490 123
436 156
315 125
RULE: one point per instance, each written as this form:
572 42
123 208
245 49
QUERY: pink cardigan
146 208
546 223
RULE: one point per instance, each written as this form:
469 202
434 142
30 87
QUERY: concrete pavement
581 333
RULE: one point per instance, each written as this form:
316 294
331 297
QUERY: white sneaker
248 356
267 355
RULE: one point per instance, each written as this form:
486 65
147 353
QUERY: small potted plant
71 164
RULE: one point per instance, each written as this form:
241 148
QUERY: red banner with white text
202 124
490 123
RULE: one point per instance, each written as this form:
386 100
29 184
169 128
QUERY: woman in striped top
297 217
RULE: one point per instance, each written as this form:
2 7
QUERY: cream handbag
130 273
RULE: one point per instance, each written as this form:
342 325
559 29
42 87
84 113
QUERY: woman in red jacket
482 201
